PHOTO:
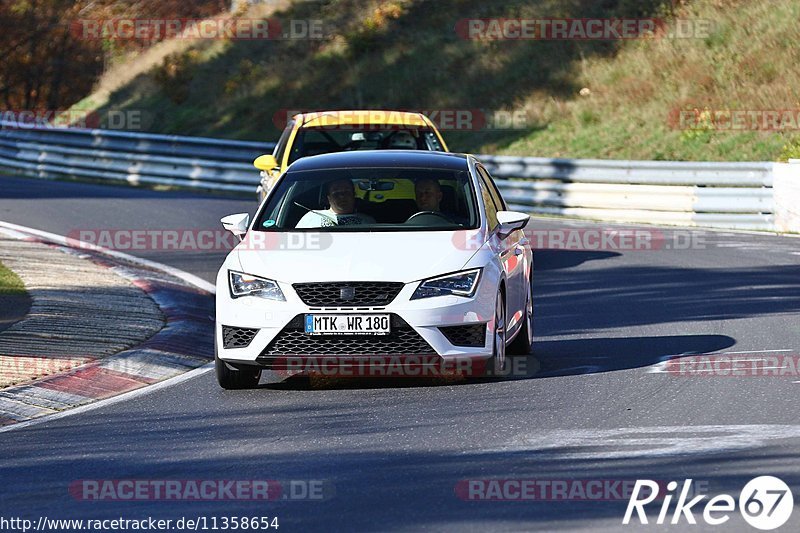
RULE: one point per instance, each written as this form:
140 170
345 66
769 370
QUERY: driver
341 195
429 194
402 140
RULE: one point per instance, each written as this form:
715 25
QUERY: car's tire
243 377
496 366
523 342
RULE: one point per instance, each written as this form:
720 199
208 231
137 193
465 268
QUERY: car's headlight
245 284
458 284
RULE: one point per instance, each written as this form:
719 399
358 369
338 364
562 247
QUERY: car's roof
363 117
382 159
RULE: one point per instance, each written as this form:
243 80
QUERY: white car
361 260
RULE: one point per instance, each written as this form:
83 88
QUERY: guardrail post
787 196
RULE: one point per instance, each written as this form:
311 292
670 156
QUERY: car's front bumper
276 335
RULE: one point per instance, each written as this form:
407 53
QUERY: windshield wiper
335 223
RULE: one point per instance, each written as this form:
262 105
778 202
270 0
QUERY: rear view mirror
266 162
376 185
236 224
371 136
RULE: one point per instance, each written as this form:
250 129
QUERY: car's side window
488 201
280 148
496 196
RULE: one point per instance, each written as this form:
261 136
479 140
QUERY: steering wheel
434 213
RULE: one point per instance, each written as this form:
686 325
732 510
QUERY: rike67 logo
766 503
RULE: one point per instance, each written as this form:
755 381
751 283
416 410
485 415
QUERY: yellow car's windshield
329 139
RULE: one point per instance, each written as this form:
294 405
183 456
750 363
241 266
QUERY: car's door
512 252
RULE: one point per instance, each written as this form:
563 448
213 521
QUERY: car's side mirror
236 224
511 221
266 162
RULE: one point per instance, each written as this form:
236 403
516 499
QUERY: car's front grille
237 337
466 335
293 341
348 293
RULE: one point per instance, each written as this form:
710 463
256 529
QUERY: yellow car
341 131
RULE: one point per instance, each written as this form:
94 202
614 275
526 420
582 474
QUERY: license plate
347 324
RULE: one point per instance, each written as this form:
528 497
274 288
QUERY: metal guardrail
728 195
131 157
749 174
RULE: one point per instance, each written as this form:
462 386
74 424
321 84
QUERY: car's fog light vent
468 335
348 293
237 337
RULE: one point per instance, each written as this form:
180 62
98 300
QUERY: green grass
405 54
10 284
741 65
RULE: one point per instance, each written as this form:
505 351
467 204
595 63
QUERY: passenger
341 195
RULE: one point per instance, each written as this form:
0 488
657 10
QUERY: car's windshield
371 199
324 140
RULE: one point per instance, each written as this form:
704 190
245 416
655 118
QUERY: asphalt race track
595 402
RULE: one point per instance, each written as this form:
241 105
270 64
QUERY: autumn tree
47 64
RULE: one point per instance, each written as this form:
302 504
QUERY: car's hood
376 256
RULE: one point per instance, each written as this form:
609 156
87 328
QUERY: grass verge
10 284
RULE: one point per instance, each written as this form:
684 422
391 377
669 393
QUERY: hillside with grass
579 98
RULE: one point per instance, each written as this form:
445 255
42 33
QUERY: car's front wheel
498 359
522 343
232 378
